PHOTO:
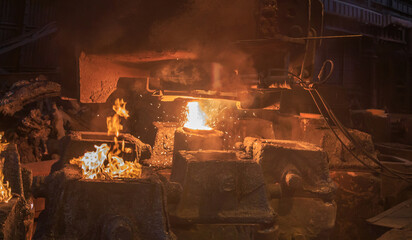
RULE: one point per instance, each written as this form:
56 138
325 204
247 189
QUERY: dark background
374 70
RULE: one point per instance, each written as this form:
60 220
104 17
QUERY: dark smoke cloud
207 27
132 25
112 26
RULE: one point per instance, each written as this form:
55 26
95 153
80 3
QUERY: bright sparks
195 117
105 162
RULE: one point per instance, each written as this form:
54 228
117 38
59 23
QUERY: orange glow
284 85
113 123
5 190
105 162
195 117
94 166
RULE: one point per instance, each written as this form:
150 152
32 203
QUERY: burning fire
196 118
113 123
5 190
283 85
105 162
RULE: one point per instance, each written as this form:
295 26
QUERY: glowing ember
105 162
196 118
5 190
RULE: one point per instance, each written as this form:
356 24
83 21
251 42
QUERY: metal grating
402 6
373 23
359 13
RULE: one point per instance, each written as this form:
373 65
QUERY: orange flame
113 123
5 190
101 164
196 118
283 85
105 163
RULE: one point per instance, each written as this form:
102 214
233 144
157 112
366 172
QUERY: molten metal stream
196 118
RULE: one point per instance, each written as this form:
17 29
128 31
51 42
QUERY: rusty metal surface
99 74
315 131
16 219
283 161
197 140
39 169
219 188
12 169
298 180
311 218
94 209
255 127
163 147
358 198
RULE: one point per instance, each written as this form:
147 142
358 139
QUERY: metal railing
349 10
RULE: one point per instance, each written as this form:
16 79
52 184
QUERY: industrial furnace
181 120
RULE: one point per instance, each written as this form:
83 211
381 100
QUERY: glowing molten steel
196 118
105 162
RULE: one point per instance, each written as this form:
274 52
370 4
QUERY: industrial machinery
228 176
279 55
